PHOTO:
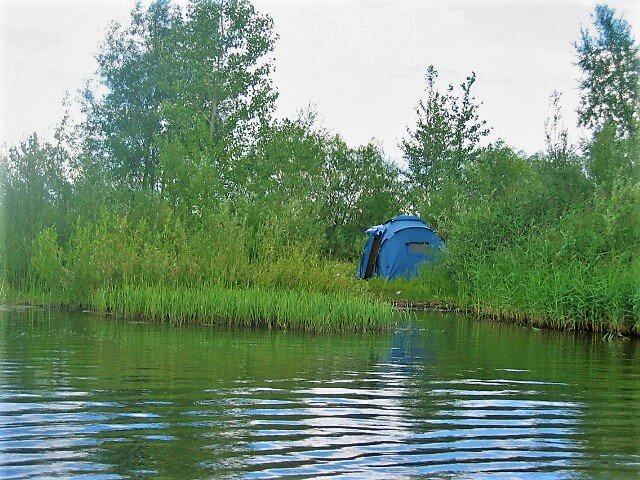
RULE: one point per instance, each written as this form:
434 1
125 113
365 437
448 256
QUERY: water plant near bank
246 307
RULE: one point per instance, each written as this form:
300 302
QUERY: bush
46 269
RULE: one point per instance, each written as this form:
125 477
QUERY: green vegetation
180 198
251 307
552 239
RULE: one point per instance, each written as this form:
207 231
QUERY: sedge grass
525 284
518 284
248 307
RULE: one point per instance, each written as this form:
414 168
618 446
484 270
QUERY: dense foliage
554 238
179 176
610 62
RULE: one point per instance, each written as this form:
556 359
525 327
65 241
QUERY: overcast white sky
361 63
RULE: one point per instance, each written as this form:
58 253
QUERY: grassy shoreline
247 307
411 295
522 318
306 311
240 307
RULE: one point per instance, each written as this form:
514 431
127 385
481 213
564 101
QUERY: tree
561 169
447 134
135 73
224 64
610 158
358 188
193 83
347 189
559 150
35 195
287 162
610 62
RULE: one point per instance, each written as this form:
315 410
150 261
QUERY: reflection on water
442 397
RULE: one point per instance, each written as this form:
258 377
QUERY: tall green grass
529 284
229 269
581 271
248 307
222 249
601 295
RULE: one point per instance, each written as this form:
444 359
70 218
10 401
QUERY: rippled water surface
443 397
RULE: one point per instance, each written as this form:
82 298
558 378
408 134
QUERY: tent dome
398 247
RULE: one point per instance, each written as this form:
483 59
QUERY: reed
247 307
524 285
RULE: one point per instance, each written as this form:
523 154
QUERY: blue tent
398 247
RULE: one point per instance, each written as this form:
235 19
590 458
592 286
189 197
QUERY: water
445 397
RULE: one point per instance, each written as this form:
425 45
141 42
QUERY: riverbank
303 310
217 306
556 310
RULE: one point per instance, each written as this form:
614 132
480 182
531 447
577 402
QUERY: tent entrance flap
373 256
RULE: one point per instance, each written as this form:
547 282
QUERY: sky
360 64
